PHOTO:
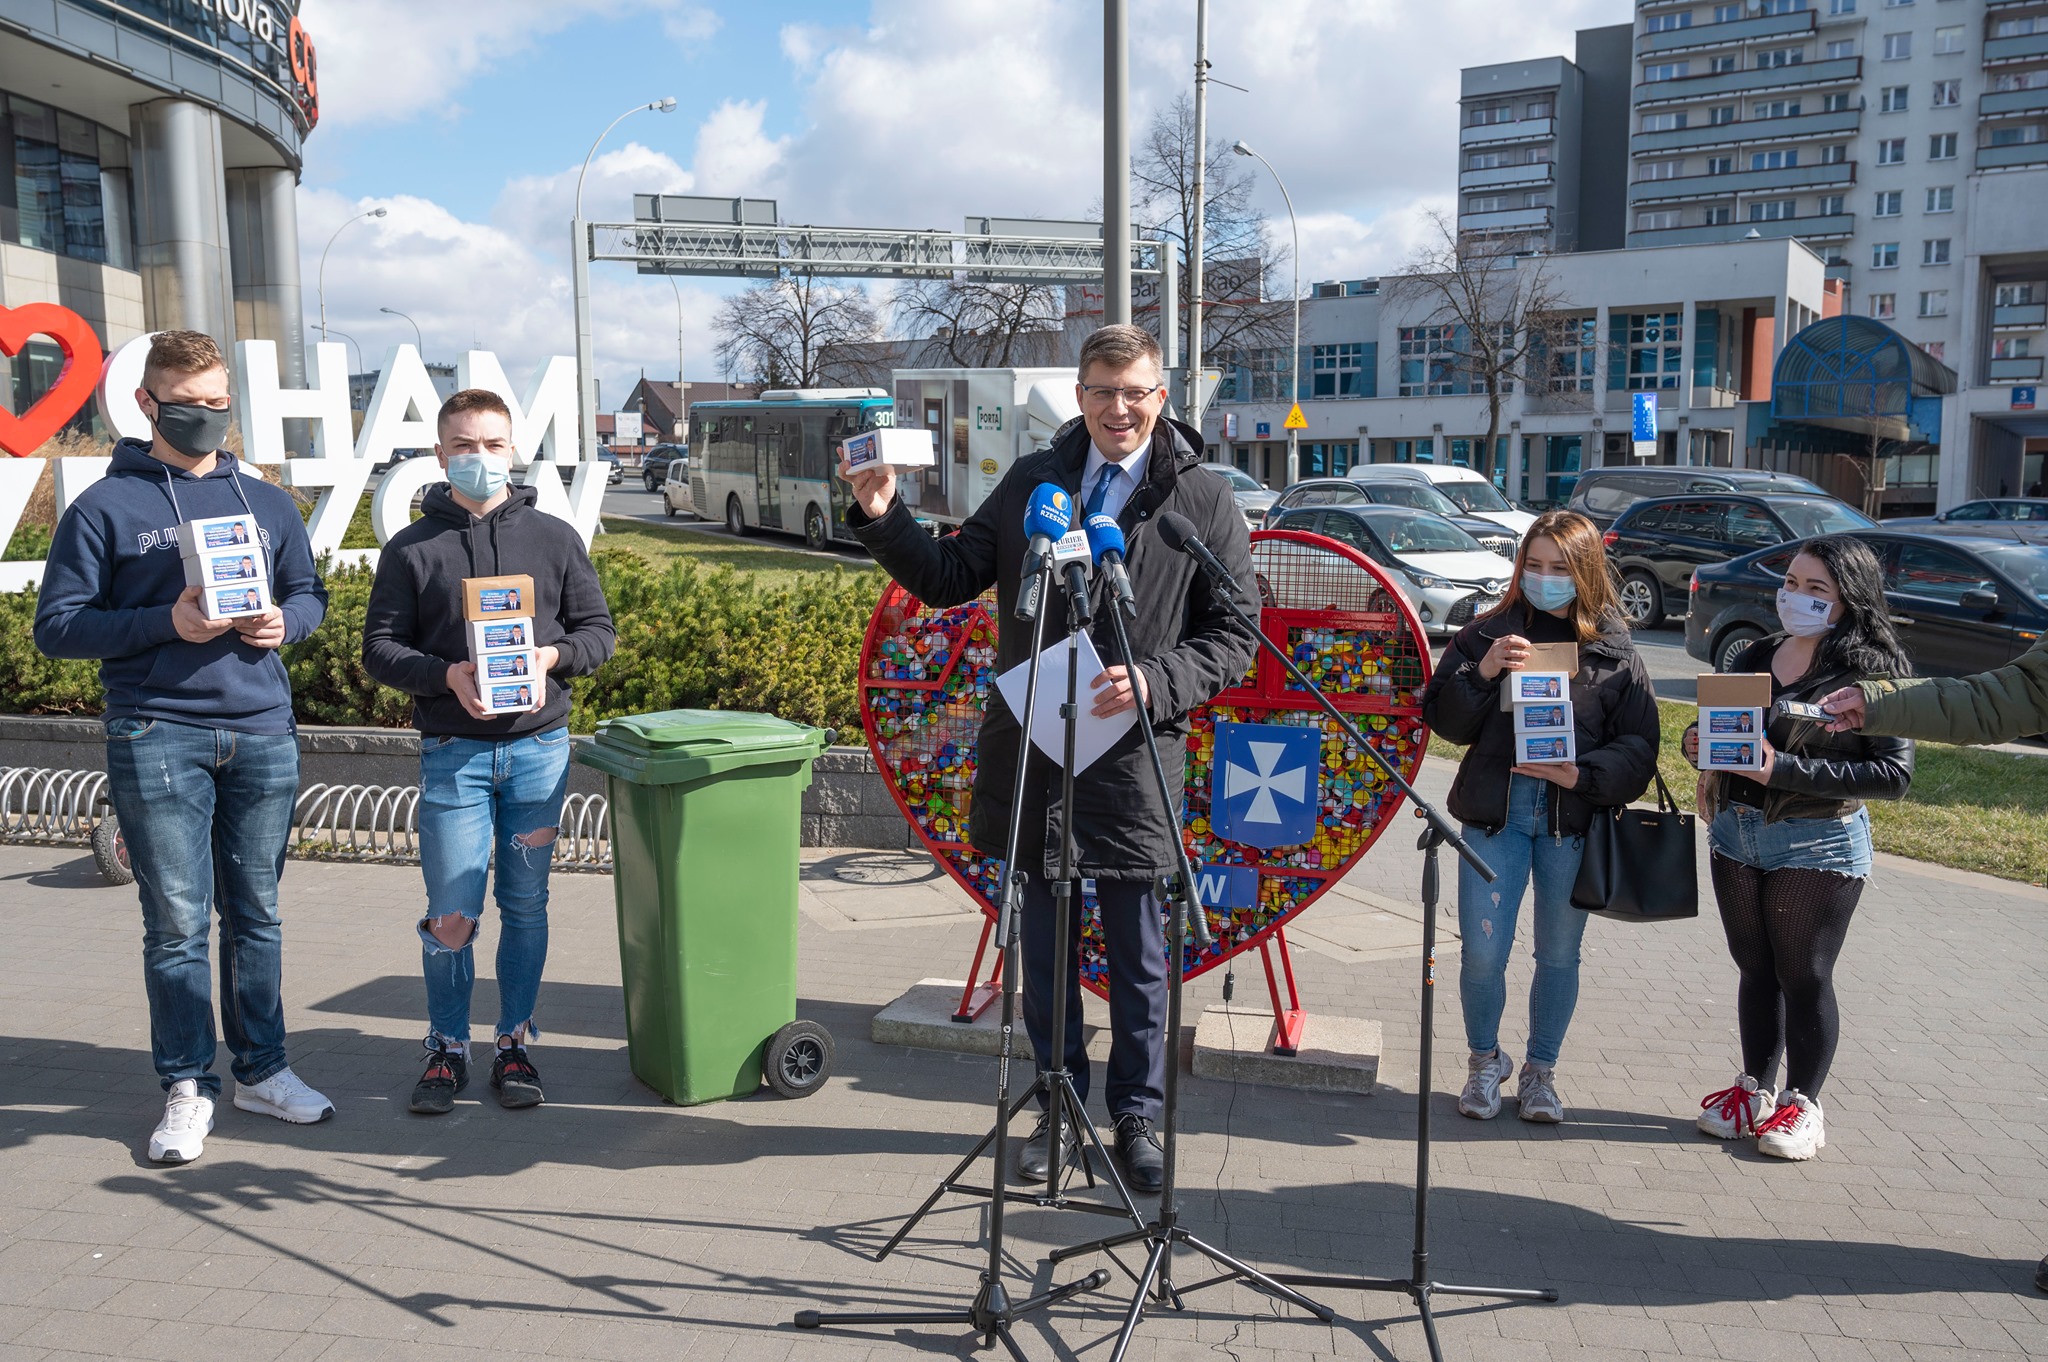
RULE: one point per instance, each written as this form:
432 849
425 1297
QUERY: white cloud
734 155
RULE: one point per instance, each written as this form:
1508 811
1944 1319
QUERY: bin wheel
110 852
799 1059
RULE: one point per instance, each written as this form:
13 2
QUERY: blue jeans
1525 856
478 798
1842 845
206 814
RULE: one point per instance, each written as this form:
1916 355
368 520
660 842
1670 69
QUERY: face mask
191 429
479 476
1549 593
1804 616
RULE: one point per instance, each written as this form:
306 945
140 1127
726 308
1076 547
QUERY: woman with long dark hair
1791 842
1529 821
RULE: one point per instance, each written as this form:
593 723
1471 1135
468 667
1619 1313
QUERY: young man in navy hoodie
202 751
491 785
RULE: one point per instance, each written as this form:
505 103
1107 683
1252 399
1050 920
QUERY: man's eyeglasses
1102 397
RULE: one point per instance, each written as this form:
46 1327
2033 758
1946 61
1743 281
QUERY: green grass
772 565
1969 809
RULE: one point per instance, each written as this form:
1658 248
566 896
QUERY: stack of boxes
1732 707
1541 698
225 560
499 613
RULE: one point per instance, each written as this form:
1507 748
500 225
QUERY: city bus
768 463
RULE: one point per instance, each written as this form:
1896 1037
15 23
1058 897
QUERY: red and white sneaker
1734 1112
1794 1130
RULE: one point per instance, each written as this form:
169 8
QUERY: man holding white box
481 611
202 752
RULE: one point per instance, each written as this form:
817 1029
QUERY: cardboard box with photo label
219 534
220 569
513 664
234 600
895 446
497 635
510 697
1732 708
497 598
1535 749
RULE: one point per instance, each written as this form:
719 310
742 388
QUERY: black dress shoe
2041 1276
1138 1149
1034 1157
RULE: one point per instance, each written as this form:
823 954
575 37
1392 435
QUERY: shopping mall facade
152 152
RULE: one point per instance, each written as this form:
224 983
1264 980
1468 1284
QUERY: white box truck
984 421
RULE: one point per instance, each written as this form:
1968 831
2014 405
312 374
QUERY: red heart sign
925 678
24 434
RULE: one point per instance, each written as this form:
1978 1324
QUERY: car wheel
1731 645
668 507
653 483
814 528
735 519
1642 599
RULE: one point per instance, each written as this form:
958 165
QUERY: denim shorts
1842 845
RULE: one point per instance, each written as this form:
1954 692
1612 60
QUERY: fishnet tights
1785 929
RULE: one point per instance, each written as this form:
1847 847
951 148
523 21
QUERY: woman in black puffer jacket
1529 821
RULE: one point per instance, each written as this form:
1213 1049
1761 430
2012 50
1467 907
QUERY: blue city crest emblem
1264 791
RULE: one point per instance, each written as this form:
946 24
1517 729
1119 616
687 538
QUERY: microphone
1046 517
1106 542
1070 557
1177 532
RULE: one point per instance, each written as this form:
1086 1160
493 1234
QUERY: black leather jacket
1819 774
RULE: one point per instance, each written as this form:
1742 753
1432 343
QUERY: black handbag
1640 865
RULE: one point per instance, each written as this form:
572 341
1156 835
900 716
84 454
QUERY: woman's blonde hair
1585 556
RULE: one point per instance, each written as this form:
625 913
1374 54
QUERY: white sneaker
188 1117
1485 1074
284 1095
1736 1110
1794 1130
1536 1094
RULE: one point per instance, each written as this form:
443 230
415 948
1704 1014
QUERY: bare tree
795 331
974 325
1238 250
1498 309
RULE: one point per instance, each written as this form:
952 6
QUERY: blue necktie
1101 493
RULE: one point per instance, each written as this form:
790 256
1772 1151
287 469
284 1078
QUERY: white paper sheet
1092 736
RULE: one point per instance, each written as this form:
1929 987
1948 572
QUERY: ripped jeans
478 798
1526 858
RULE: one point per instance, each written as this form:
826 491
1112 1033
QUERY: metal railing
329 822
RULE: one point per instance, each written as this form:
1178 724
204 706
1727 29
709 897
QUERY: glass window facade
1343 370
51 196
1332 460
1646 350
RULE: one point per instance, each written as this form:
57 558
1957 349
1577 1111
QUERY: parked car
1603 494
1965 598
1984 509
1470 491
1253 497
614 471
675 489
654 467
1656 543
1410 492
1442 570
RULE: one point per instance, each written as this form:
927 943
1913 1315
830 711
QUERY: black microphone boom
1177 532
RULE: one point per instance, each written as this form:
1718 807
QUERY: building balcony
1720 35
2008 103
1998 51
2018 154
1838 71
2019 317
1501 177
1746 130
2023 370
1506 220
1806 229
1742 182
1523 130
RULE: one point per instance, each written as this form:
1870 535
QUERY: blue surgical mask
1549 593
479 476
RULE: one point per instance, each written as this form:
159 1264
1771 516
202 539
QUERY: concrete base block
923 1019
1338 1054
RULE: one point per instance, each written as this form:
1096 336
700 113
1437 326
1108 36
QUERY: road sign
1643 425
1265 430
1295 420
2023 399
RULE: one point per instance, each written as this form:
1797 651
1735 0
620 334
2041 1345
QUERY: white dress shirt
1131 472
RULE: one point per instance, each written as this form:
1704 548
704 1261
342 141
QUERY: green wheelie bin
704 824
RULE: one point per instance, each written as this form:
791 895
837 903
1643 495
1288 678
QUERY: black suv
1655 544
1605 493
654 467
1965 598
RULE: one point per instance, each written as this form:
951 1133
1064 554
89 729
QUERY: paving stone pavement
608 1225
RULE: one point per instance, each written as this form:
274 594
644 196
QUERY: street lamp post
1294 363
682 384
359 350
579 258
321 283
418 344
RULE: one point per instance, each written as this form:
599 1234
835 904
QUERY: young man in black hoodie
202 751
488 782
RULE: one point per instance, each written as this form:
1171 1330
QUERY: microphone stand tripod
991 1313
1163 1233
1417 1285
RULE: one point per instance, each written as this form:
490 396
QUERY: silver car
1252 498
